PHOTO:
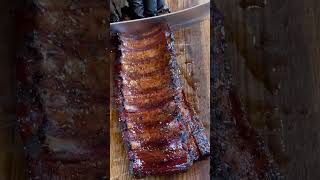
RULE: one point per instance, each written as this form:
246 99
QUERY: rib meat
63 89
160 129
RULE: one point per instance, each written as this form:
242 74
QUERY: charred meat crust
160 129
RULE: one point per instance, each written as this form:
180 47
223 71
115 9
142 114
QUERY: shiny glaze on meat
161 132
63 89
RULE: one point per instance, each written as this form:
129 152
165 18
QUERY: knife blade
175 20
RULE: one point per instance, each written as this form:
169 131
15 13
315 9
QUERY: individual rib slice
161 132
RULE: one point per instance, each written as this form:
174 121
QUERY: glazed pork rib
160 129
63 89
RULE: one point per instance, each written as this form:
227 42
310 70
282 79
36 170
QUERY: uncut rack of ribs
63 87
238 152
161 132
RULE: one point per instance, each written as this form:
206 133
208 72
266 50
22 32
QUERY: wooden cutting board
193 51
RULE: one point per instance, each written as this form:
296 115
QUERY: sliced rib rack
160 130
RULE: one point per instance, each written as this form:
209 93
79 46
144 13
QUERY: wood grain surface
193 51
12 162
274 49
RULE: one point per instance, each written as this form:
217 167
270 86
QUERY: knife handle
150 8
161 4
147 8
137 8
162 7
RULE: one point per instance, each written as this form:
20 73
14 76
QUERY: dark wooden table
274 47
12 163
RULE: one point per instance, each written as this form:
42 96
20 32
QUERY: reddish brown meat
63 89
162 133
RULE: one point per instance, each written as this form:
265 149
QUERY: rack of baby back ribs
161 131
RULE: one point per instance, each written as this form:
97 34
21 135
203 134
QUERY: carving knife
175 20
